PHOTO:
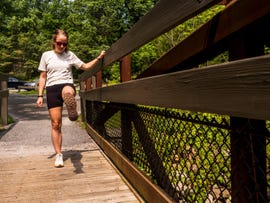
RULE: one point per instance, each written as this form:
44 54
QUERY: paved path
27 157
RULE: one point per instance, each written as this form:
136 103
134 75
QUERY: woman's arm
41 87
91 64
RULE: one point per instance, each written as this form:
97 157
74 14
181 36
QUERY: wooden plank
149 191
238 15
240 88
169 15
33 179
27 172
87 74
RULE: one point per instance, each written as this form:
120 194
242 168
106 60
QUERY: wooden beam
169 15
125 68
239 88
99 79
150 191
87 74
236 16
248 136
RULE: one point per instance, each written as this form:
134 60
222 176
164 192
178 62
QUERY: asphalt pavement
32 128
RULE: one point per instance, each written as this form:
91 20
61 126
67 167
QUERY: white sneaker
59 161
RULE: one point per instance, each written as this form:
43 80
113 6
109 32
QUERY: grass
30 92
3 127
81 123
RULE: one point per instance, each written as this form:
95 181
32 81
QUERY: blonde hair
54 36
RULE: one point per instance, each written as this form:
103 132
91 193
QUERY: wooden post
4 103
126 127
125 68
248 137
88 84
99 79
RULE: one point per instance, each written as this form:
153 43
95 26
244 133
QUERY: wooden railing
4 98
239 88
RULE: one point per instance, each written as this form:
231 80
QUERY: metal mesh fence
187 154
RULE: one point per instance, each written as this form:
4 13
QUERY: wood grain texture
238 15
145 187
34 179
169 15
239 88
27 172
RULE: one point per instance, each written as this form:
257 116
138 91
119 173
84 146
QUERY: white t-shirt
59 66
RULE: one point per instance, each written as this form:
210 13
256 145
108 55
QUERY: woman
56 75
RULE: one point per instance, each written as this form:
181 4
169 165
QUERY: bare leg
68 89
56 133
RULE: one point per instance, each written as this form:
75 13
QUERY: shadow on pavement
23 107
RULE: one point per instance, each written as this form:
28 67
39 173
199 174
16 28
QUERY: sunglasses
61 43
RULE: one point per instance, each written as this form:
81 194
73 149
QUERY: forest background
93 25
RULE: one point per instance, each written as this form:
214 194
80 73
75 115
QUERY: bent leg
68 95
68 89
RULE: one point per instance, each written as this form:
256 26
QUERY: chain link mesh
187 154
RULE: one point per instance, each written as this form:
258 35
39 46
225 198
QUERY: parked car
15 82
32 85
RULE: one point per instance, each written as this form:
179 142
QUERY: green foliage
176 35
143 57
267 49
147 54
30 92
93 25
194 149
9 121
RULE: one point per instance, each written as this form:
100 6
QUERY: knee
56 126
68 90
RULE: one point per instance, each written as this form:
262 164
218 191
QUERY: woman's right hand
101 55
40 101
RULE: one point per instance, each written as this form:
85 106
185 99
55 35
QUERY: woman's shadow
75 157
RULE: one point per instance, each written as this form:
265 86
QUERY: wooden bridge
158 128
27 172
181 131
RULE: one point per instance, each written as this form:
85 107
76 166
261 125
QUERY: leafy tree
93 25
147 54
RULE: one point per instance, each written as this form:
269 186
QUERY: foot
71 105
59 161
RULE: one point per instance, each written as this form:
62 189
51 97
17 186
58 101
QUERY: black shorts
54 95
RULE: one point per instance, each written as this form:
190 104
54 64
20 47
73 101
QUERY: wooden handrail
169 15
231 19
222 89
239 89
